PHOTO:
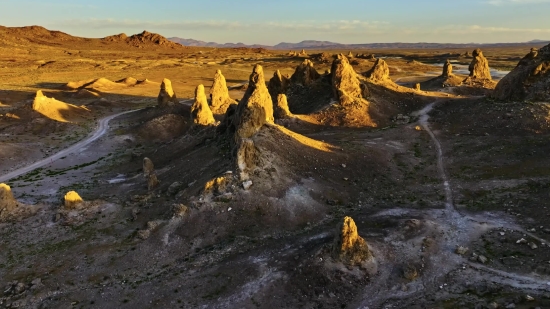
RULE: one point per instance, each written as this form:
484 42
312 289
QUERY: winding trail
102 128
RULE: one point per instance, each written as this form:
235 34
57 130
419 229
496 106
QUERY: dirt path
102 128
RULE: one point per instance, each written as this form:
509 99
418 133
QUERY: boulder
219 94
479 68
72 200
7 201
529 80
256 107
200 111
305 74
346 86
167 97
349 248
281 108
380 72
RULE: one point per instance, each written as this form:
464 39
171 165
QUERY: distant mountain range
311 44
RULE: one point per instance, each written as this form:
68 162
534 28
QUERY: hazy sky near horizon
271 22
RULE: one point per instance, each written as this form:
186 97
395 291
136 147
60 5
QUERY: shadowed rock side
167 96
305 74
7 201
349 247
379 73
479 68
278 84
256 107
200 111
219 94
529 80
72 200
345 84
281 108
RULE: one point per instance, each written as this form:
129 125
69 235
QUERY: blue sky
271 22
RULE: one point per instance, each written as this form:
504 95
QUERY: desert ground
189 204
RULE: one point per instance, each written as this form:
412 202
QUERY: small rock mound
349 247
7 201
57 110
278 84
350 55
479 68
305 74
256 107
220 94
72 200
529 80
281 108
167 96
163 128
303 53
149 173
380 72
345 84
200 111
322 58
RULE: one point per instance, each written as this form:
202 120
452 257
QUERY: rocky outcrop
72 200
149 174
277 85
200 111
380 72
305 74
256 107
303 53
350 55
167 96
322 57
529 80
349 248
281 108
345 84
7 201
447 69
219 94
479 68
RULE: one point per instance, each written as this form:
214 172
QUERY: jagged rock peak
345 84
219 94
305 73
256 107
167 96
200 111
278 84
349 247
529 80
479 68
379 72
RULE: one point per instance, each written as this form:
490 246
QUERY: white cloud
476 29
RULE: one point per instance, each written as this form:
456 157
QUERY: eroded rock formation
278 84
7 201
529 80
349 247
305 73
256 107
380 72
167 96
479 68
447 69
200 111
149 174
219 94
281 108
345 84
72 200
